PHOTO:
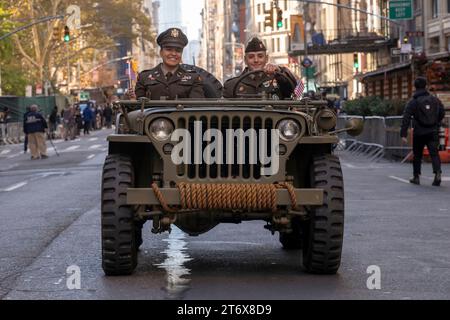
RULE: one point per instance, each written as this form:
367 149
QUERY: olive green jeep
197 163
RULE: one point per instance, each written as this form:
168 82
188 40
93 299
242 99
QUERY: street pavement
50 213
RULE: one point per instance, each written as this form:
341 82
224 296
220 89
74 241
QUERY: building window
448 6
434 8
434 45
278 45
272 44
259 8
285 5
259 27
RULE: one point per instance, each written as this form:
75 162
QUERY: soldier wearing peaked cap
169 80
256 58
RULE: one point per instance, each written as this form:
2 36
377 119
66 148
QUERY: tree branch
23 53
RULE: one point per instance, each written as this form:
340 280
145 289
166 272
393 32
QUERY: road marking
90 156
226 242
71 148
399 179
348 165
15 186
95 146
14 155
5 151
93 139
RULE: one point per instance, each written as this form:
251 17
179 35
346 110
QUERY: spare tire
211 86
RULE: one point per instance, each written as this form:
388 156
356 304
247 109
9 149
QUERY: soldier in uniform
169 80
256 58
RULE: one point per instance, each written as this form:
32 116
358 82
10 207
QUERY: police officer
169 80
256 58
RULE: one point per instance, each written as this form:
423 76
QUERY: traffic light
66 34
405 39
279 18
56 34
355 61
268 22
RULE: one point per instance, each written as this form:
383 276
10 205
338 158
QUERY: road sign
84 96
38 89
400 10
395 52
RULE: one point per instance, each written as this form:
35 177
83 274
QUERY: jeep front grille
223 172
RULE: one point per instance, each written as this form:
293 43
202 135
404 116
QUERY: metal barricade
395 148
14 133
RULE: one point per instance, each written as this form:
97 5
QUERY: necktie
168 75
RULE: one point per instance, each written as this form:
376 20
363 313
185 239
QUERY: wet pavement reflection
174 266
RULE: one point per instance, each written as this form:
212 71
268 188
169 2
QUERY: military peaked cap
172 37
255 45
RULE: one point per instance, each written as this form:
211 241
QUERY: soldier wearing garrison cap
256 58
169 80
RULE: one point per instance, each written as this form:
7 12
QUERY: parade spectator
68 123
25 141
53 120
34 126
107 114
4 116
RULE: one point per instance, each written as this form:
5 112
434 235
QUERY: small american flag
298 91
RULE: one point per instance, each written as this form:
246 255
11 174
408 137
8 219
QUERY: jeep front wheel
324 231
119 248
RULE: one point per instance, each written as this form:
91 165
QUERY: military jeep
197 163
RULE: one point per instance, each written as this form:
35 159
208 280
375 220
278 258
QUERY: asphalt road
51 222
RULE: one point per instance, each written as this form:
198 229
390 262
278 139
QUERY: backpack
427 113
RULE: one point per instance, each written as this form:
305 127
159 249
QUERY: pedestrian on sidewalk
428 113
87 119
35 127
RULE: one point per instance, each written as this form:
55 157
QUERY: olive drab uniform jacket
260 82
154 85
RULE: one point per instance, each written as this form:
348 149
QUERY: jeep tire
119 248
324 231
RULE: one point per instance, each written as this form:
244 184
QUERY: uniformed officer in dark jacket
169 80
256 58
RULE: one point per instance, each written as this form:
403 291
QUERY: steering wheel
271 78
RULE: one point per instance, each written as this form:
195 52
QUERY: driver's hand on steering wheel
271 68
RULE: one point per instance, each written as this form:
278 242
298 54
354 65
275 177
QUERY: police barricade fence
14 133
379 138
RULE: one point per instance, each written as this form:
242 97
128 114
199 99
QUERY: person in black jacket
427 112
34 126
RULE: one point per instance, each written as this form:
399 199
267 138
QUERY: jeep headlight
289 129
161 129
326 119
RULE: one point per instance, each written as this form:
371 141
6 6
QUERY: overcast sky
191 17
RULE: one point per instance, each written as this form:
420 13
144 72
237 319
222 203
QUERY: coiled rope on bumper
229 196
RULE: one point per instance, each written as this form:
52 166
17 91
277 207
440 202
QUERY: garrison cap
255 45
172 37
